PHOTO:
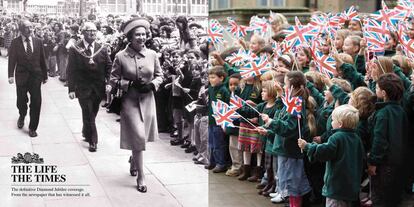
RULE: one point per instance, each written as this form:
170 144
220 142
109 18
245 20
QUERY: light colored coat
138 113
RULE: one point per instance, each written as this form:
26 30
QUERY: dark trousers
33 88
90 108
216 146
387 186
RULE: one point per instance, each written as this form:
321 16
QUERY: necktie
28 47
89 50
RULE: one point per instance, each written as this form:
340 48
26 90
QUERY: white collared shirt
25 43
87 45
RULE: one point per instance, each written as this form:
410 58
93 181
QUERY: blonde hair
346 58
260 40
355 39
278 18
364 100
347 115
384 65
343 33
256 84
344 84
268 75
269 85
316 78
402 62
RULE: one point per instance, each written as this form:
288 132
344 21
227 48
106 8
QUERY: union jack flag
277 50
372 25
223 114
258 25
335 20
299 35
255 67
390 17
405 7
406 42
326 64
215 31
241 57
238 31
293 105
375 34
320 22
236 102
350 14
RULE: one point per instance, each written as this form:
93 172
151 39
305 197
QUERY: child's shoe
245 174
232 173
219 169
279 199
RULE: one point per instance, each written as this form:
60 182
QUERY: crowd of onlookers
351 144
180 42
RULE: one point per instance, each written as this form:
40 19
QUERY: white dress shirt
25 43
87 45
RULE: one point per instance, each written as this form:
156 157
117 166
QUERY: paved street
172 178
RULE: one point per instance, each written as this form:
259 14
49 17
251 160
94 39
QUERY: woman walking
136 70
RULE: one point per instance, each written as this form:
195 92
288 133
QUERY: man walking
89 67
28 67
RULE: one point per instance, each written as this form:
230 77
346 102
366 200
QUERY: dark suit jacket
84 78
22 67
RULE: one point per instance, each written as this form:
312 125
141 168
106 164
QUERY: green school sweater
248 112
343 154
390 132
214 93
230 70
353 76
360 64
249 92
285 126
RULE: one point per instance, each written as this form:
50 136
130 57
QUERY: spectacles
91 31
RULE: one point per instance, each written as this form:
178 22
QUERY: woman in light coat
137 71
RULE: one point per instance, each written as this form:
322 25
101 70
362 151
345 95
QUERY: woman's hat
134 23
194 24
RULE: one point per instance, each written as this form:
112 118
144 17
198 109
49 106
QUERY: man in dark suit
28 67
89 67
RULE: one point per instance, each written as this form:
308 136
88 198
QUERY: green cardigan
343 154
390 133
285 126
218 92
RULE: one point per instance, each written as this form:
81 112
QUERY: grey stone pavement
171 177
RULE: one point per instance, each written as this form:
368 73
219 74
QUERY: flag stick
248 121
254 109
300 134
244 128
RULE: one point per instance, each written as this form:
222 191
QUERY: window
261 3
223 4
199 7
278 3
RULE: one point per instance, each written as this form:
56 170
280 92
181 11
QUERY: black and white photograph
103 103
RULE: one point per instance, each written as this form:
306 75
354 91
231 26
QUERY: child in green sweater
343 154
387 161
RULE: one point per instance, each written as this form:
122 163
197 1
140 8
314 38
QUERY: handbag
116 104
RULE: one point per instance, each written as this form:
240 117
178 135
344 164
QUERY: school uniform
390 132
292 180
248 139
343 155
216 142
354 77
265 142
